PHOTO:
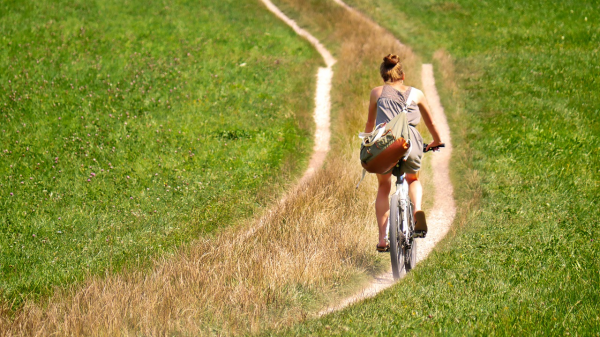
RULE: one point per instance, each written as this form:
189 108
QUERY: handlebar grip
433 148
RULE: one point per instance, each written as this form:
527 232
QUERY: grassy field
130 128
294 259
520 85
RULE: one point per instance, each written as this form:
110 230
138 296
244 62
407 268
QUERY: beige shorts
413 162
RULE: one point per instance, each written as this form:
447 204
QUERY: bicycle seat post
399 180
396 172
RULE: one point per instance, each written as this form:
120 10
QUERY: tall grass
306 249
128 129
523 91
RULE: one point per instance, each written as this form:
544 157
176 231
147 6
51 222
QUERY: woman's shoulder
417 94
376 92
416 91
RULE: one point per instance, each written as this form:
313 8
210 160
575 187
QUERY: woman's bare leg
382 205
415 190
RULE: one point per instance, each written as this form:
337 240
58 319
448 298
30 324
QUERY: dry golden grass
296 255
229 282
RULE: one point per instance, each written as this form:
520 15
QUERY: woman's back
390 103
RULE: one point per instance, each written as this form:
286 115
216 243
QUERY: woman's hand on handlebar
434 146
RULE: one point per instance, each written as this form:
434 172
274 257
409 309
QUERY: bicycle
401 225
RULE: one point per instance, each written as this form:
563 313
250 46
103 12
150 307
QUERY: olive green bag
385 146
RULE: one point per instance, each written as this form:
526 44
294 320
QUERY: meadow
523 255
275 268
128 129
519 83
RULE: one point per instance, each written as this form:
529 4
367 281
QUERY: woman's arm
375 93
426 114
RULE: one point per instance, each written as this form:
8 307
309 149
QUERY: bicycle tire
411 253
396 238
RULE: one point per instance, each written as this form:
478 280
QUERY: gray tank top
390 104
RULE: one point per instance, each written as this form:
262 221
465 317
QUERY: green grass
130 128
526 260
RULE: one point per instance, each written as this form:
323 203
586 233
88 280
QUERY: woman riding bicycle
385 103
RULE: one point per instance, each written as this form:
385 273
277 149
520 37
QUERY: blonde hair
391 68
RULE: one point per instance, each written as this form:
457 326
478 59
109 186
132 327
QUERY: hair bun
391 60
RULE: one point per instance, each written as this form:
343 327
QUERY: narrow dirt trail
231 280
321 113
444 209
322 95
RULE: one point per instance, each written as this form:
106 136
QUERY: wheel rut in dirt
321 113
322 95
444 209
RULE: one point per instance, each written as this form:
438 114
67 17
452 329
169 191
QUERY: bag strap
409 100
369 138
361 179
363 135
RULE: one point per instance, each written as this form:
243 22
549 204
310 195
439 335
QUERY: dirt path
443 211
444 208
440 219
321 113
322 95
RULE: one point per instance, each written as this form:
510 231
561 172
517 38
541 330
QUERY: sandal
420 225
384 249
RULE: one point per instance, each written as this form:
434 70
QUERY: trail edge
321 113
322 95
444 209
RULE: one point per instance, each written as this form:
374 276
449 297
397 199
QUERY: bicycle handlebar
397 173
435 148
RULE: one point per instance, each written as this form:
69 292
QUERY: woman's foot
420 224
383 248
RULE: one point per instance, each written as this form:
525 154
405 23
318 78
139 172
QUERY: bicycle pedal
419 234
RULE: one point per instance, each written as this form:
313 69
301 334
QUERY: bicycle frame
400 227
399 230
402 193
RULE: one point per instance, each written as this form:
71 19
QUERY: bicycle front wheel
396 238
411 253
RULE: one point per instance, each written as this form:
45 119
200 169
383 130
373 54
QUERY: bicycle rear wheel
411 253
396 238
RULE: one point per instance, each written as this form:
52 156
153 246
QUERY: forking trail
442 214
